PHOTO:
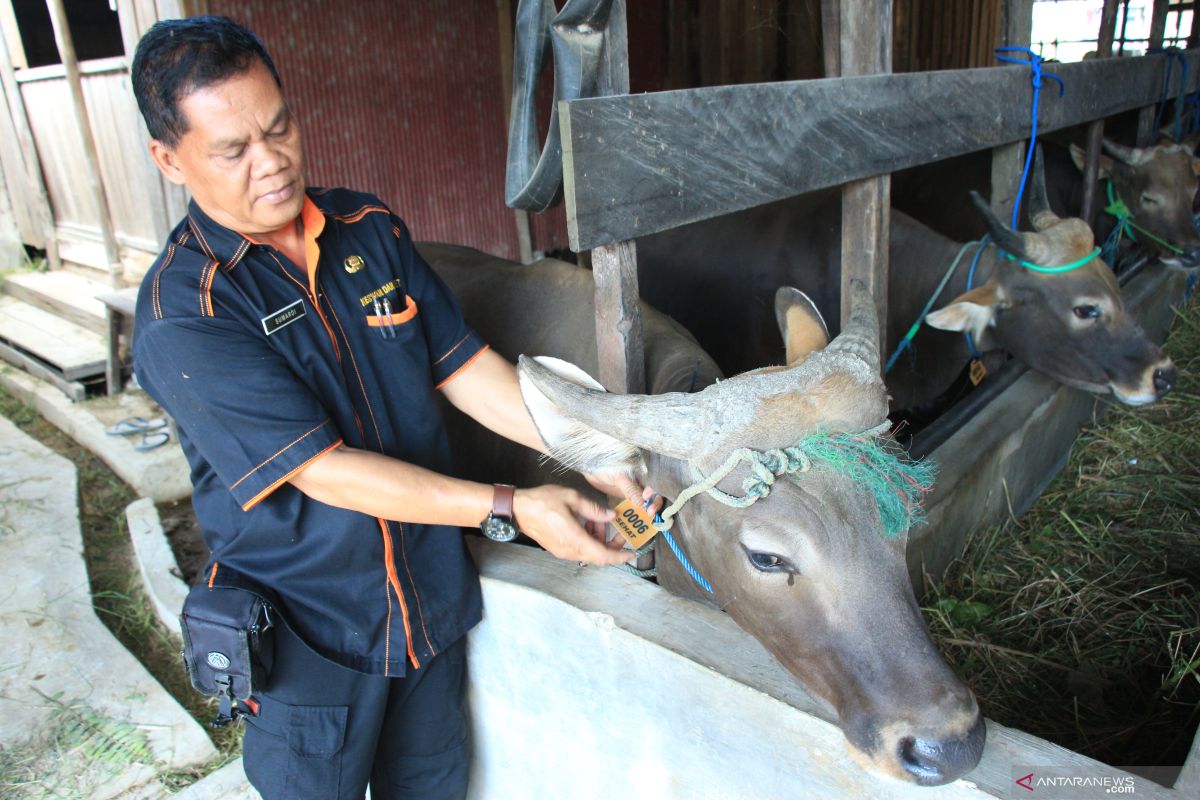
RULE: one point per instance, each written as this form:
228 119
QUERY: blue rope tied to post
1034 62
1173 54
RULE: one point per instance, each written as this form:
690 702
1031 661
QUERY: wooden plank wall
934 34
723 42
132 187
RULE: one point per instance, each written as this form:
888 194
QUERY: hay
1080 622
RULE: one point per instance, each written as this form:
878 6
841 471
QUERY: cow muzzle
925 760
938 761
1156 381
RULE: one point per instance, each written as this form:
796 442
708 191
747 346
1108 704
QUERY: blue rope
678 551
683 559
1172 54
983 243
1034 62
906 342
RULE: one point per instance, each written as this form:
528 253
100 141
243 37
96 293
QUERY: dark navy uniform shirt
267 365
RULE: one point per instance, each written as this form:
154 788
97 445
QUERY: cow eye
1087 311
769 562
1149 200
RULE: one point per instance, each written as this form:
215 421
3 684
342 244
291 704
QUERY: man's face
241 157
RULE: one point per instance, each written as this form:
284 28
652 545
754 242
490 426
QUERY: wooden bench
119 306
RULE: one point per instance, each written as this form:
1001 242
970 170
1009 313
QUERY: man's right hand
550 516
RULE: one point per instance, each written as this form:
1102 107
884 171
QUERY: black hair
178 56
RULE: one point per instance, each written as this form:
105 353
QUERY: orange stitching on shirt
206 274
362 212
468 363
396 231
200 235
236 258
281 452
416 594
208 289
155 294
213 576
258 498
452 349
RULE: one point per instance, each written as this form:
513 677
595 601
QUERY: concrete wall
589 683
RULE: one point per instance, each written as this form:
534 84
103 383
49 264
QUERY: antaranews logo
1069 783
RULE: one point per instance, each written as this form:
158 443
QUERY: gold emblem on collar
353 264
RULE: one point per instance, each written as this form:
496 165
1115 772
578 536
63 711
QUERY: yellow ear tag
634 524
978 371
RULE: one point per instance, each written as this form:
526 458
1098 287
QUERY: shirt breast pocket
394 326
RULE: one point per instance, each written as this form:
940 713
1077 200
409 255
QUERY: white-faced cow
815 570
718 278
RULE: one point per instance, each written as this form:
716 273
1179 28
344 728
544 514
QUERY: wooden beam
866 48
66 51
504 21
112 252
639 164
618 314
1158 25
1095 133
831 37
1008 161
29 155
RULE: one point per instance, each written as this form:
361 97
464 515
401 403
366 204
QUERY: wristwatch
500 525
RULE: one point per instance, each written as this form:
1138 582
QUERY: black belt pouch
228 644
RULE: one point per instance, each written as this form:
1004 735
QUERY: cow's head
1158 184
1072 326
810 570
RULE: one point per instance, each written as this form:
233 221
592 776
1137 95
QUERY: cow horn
663 423
860 336
1040 213
1126 155
1005 237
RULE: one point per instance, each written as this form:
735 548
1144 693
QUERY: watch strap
502 500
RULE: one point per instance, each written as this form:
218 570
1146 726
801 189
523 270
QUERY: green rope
1125 225
1052 270
897 485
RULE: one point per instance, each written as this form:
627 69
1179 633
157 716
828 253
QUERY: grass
1080 622
116 586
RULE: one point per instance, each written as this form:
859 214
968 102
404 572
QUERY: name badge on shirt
283 317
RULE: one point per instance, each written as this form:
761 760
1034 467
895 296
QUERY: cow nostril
1164 380
920 760
934 762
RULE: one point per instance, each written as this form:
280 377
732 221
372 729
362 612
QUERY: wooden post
66 50
504 17
1008 161
1095 133
831 36
618 315
1158 24
865 48
32 164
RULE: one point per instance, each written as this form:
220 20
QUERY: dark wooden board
638 164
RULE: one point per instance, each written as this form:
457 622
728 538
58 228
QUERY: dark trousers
324 732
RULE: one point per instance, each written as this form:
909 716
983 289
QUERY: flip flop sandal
151 440
131 425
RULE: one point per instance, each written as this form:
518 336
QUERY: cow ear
800 323
971 313
570 442
1079 156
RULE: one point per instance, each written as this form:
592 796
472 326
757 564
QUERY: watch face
498 529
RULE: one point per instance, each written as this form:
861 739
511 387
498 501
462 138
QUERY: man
298 340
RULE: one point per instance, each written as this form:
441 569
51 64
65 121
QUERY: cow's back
546 309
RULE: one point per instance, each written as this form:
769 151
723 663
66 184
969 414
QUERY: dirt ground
186 538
